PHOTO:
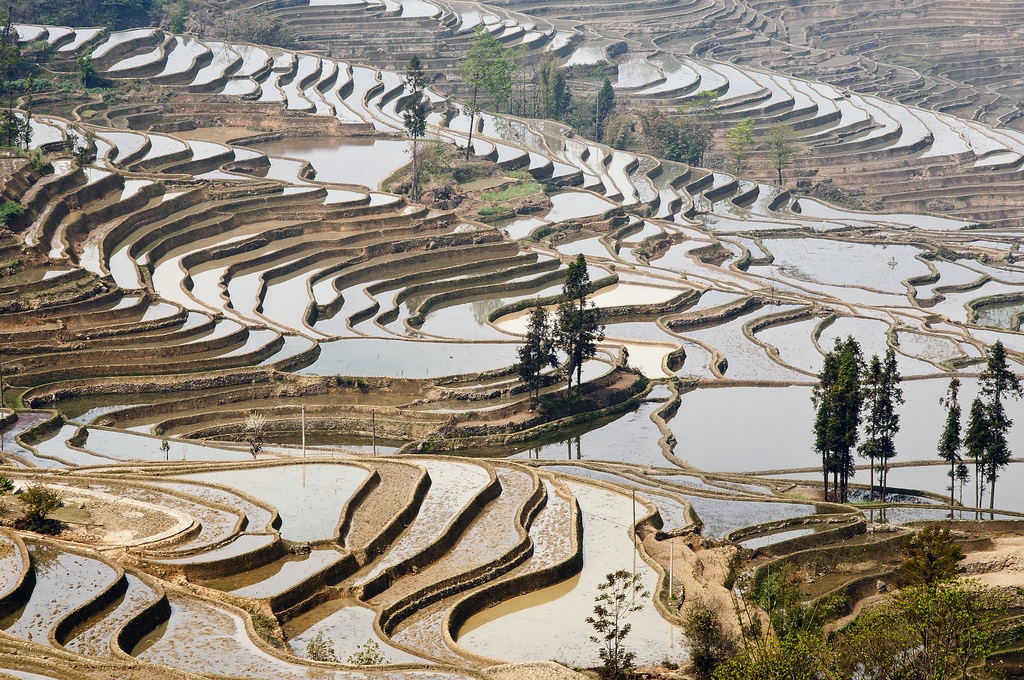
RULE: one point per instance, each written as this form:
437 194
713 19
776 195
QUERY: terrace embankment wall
444 543
394 613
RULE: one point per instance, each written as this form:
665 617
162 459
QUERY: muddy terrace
185 276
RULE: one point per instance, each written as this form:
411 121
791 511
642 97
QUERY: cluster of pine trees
575 332
854 398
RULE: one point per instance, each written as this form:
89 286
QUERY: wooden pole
373 421
303 430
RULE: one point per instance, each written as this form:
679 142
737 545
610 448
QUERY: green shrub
37 503
10 210
367 654
564 404
491 210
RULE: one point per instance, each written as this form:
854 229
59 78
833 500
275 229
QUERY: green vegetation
934 628
576 331
10 210
115 14
882 393
537 352
932 557
518 190
685 138
990 429
6 487
781 147
38 502
259 28
738 142
414 117
265 626
949 440
578 328
321 648
488 67
367 654
178 16
838 399
706 639
616 599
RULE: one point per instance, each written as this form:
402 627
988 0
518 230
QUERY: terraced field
189 275
829 70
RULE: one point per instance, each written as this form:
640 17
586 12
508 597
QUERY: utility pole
373 427
303 430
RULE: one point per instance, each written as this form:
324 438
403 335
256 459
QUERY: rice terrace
443 340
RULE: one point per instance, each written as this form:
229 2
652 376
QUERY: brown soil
1003 565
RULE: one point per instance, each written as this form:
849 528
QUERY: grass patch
265 626
492 210
514 191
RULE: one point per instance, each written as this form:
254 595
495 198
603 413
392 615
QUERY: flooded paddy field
195 311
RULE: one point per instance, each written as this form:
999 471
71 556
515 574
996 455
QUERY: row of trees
985 439
575 332
846 392
850 394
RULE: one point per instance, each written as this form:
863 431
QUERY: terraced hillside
180 278
830 71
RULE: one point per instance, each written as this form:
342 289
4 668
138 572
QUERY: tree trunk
824 469
415 173
469 142
992 496
871 493
472 124
952 481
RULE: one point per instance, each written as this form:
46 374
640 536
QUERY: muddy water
775 429
549 623
277 577
64 582
406 359
97 636
309 498
365 163
632 438
345 623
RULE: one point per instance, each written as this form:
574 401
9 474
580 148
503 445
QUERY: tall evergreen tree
537 352
886 419
414 117
579 326
850 399
976 440
838 398
997 382
871 446
822 397
949 440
